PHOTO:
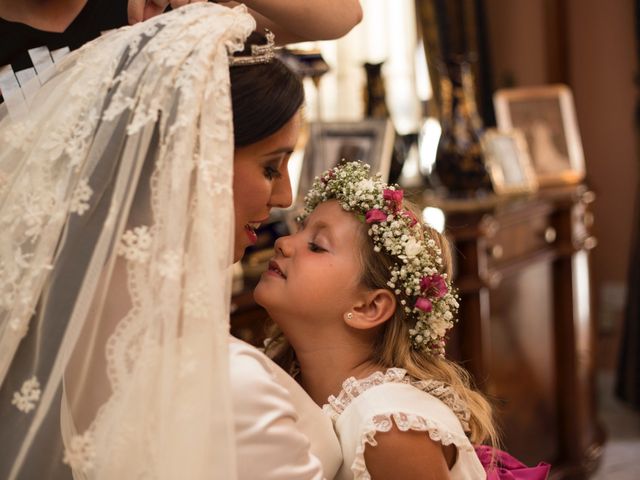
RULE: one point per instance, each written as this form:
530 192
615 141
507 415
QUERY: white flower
81 452
412 247
18 325
366 185
80 197
25 400
197 303
135 244
170 265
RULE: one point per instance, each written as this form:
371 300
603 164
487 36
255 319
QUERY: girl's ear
374 308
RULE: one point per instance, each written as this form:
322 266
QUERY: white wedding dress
281 433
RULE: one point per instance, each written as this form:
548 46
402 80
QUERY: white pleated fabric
116 242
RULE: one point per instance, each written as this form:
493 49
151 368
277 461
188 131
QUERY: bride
126 193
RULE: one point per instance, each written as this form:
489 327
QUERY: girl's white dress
365 407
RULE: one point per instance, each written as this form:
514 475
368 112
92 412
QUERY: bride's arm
269 442
290 20
304 20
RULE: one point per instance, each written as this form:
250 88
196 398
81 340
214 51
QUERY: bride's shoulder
246 362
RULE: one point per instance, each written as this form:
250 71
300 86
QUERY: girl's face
261 182
316 272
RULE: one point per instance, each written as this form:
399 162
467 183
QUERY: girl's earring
349 316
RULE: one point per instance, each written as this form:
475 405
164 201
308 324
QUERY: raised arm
291 20
305 20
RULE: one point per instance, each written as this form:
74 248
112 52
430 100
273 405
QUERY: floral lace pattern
135 244
25 400
81 197
80 453
139 129
353 388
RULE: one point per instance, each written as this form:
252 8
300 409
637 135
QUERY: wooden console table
525 330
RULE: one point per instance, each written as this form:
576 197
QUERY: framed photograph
547 117
331 143
507 158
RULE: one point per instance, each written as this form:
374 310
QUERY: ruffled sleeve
366 407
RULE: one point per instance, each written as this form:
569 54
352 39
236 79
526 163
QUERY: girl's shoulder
395 388
394 396
366 407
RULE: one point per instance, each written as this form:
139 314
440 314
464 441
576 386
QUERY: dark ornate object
307 63
459 161
375 102
628 375
375 106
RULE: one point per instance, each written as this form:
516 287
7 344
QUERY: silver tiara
259 53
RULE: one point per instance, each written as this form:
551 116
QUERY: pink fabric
508 468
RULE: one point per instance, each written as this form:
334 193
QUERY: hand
140 10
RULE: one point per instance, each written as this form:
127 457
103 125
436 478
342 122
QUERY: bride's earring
348 316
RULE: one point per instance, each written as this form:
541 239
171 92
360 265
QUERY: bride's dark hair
264 97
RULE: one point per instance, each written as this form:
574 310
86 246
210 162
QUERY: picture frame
547 117
507 159
330 143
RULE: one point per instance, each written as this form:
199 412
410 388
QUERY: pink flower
424 304
434 286
375 215
394 197
328 176
412 216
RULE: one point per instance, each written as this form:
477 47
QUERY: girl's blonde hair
393 347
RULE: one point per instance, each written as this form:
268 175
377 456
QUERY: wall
517 42
602 60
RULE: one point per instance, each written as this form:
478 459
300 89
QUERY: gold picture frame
330 143
547 117
507 158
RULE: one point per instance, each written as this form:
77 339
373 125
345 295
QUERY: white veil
116 232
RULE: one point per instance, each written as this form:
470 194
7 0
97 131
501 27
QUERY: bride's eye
271 173
314 247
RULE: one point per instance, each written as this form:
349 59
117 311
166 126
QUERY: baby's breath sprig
425 294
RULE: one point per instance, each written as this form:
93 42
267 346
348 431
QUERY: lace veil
116 232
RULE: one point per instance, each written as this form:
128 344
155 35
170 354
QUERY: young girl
362 293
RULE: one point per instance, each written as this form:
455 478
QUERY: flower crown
425 294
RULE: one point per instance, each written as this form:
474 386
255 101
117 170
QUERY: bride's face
261 182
